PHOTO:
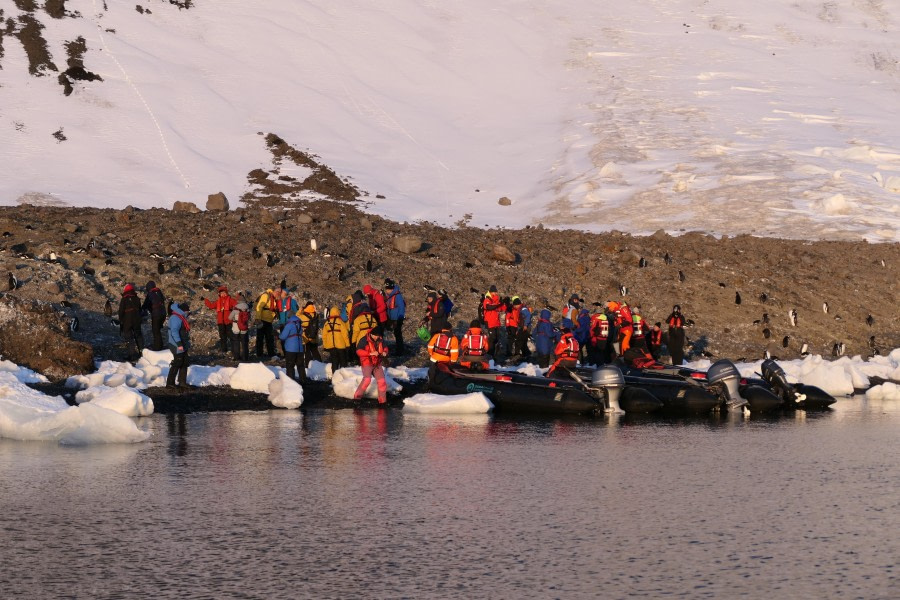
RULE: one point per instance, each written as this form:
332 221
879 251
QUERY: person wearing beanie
223 305
376 301
155 306
473 349
240 330
336 339
435 314
130 321
309 319
396 312
491 308
179 343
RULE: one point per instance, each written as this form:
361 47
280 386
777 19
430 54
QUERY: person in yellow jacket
336 339
442 348
309 318
266 310
362 324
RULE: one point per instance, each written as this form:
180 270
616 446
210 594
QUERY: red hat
368 289
223 288
128 288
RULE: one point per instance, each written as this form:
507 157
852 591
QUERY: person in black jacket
436 314
130 320
675 341
155 306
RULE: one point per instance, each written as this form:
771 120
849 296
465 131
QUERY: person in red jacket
491 307
372 353
223 305
566 354
654 340
623 323
378 305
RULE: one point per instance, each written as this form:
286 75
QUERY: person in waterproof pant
292 340
396 311
223 305
266 311
372 354
545 337
179 344
676 335
155 306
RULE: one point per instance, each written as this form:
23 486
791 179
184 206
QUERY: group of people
611 330
354 331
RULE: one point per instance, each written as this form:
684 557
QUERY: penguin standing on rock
160 268
737 298
786 341
870 320
792 316
73 324
13 282
825 307
107 308
681 276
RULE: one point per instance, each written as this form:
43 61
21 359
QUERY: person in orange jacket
442 348
491 307
372 353
473 348
623 323
223 305
566 354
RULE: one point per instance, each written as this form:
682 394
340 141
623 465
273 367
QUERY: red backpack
243 320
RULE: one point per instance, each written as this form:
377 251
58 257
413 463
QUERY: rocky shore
65 264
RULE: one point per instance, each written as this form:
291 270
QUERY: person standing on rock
179 343
491 307
130 320
675 340
396 312
545 337
372 353
435 315
266 312
377 303
223 305
292 341
309 319
155 306
240 331
336 339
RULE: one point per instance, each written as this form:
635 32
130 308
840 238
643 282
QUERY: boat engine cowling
610 379
777 378
724 372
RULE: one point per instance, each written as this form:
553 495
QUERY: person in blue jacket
525 318
396 313
179 342
292 341
582 331
545 337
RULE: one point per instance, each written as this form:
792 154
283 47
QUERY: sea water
378 503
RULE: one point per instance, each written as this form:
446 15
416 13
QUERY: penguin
804 350
870 320
66 303
689 323
115 322
107 308
29 227
369 266
155 255
172 256
757 322
474 291
255 253
73 324
882 262
792 316
88 270
871 341
763 297
681 276
737 298
468 265
765 318
8 234
284 282
785 342
160 268
623 290
341 274
53 257
838 318
270 260
67 242
198 273
667 259
91 245
722 285
108 261
312 244
825 307
13 282
219 252
834 350
767 333
298 254
767 355
642 263
78 250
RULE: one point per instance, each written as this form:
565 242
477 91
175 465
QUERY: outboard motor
609 378
724 372
777 378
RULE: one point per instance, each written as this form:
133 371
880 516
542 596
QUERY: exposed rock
36 336
407 244
365 224
504 201
189 207
304 219
217 202
503 254
71 227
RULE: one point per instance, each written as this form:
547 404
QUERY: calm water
382 504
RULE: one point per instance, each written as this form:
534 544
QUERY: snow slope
770 117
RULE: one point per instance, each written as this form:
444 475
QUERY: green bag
424 333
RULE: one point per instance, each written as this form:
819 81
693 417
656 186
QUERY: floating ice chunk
892 184
835 205
345 381
121 399
253 377
284 392
476 403
885 391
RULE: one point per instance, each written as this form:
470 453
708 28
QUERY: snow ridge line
128 80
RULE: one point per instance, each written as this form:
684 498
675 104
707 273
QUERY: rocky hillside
738 291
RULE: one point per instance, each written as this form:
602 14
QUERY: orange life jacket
567 347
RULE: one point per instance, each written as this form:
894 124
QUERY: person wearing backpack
364 322
130 320
545 336
309 318
291 337
377 303
336 339
179 343
396 313
266 310
240 331
155 306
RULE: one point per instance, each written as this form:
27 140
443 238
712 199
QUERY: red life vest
475 344
491 307
599 328
442 344
514 317
676 322
656 337
567 347
638 327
